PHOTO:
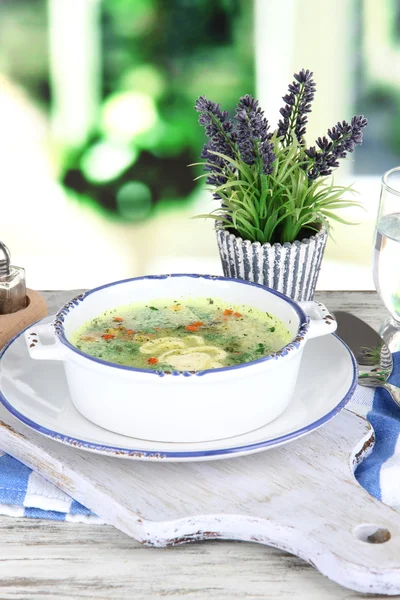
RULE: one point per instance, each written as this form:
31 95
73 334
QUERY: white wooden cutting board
301 497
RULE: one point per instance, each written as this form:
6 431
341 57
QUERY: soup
181 335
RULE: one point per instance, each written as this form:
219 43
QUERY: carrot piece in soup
129 332
118 319
198 324
237 314
191 328
227 312
152 361
108 336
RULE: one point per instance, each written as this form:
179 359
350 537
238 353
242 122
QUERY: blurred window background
97 125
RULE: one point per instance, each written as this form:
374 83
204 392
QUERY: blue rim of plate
156 454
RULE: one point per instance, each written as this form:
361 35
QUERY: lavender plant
271 188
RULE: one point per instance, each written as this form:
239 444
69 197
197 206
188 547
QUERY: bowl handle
321 321
36 335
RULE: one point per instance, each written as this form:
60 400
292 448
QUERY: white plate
37 394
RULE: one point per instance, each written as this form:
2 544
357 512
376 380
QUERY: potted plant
275 196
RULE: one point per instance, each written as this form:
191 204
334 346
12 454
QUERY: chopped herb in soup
181 335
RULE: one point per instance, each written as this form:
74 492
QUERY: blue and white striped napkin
379 474
24 493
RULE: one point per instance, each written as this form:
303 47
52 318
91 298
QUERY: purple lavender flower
297 105
344 137
253 137
215 165
221 138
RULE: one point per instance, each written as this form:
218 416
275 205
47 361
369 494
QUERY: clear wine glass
386 263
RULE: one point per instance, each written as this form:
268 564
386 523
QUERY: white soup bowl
180 407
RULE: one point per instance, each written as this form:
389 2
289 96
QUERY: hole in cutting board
372 534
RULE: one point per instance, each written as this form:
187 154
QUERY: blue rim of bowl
294 344
160 454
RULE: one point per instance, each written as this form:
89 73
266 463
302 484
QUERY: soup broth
181 335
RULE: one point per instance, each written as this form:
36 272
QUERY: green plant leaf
241 166
335 217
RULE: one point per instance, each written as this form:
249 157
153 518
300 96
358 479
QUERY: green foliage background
170 52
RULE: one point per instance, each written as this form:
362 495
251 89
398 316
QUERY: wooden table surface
49 559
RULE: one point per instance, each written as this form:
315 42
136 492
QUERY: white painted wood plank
69 561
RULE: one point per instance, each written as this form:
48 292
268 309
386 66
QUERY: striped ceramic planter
289 268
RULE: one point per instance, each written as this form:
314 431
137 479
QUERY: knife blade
357 334
374 358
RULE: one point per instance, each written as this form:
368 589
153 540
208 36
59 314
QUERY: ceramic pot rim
304 242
